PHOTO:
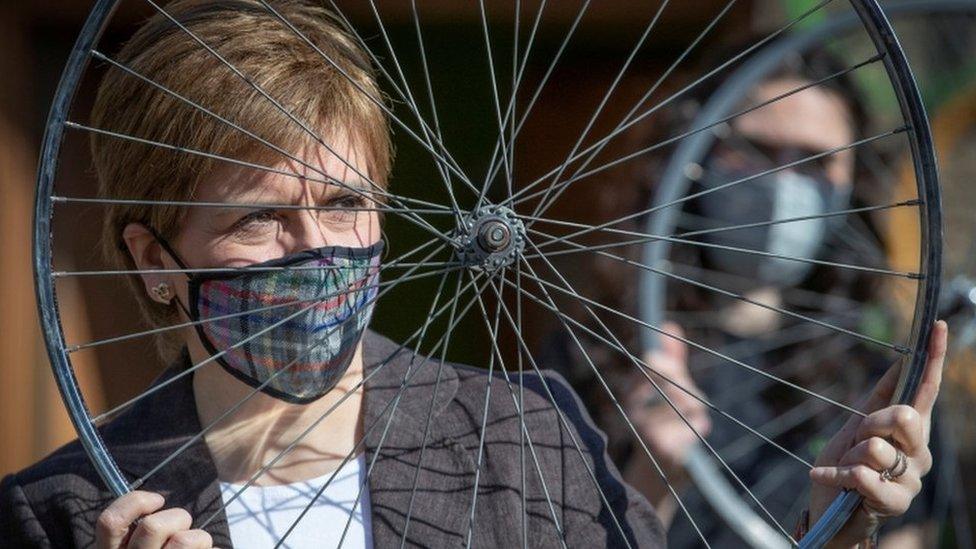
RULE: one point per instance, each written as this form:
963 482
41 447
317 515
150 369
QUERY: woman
352 375
791 127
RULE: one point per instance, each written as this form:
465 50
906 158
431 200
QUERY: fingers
189 539
877 453
112 526
901 423
880 396
928 389
156 529
885 498
672 346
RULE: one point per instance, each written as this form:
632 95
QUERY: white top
261 515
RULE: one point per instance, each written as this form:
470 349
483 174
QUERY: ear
146 254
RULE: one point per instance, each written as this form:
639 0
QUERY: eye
345 207
350 201
255 220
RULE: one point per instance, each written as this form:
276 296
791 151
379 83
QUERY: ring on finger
897 469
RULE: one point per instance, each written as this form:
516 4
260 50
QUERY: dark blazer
55 503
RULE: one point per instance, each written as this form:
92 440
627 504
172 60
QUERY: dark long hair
615 283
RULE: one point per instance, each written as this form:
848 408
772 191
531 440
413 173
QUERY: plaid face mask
289 326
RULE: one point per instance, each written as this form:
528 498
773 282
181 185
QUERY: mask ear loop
176 258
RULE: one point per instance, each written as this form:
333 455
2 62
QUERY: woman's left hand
857 456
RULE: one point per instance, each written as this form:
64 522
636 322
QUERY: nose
308 232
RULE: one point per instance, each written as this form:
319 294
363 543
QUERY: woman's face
236 236
220 237
812 121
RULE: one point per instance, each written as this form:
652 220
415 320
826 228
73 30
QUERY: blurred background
35 38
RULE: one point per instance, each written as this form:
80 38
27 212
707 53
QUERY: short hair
269 53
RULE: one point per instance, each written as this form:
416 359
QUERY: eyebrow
357 186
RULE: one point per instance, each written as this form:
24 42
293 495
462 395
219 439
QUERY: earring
161 292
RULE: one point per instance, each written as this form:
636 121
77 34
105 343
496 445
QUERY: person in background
811 122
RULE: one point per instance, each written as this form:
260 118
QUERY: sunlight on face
237 236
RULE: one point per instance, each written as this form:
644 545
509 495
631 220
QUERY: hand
667 435
169 528
865 446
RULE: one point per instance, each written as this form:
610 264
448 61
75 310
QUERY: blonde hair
270 54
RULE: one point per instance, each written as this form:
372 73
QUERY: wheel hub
492 237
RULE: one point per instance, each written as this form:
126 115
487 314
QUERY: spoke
521 402
692 220
792 366
265 468
445 340
241 270
645 238
406 93
797 296
746 251
365 193
705 349
246 269
518 402
511 137
281 108
510 109
497 105
519 198
682 91
791 335
603 102
559 413
189 324
162 329
647 95
430 92
449 164
389 421
644 368
484 416
102 57
495 166
739 181
430 410
440 210
637 438
774 428
394 403
738 296
405 212
840 213
230 411
219 354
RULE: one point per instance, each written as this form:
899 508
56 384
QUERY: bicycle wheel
923 23
497 222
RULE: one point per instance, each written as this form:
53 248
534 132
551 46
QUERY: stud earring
161 292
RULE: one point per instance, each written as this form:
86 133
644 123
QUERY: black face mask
784 194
